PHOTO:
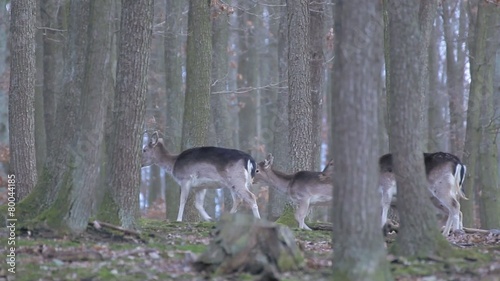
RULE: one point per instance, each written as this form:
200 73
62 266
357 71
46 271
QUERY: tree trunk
281 146
300 111
40 136
198 78
87 152
358 255
410 26
248 76
22 97
133 60
454 80
482 81
53 18
317 71
174 60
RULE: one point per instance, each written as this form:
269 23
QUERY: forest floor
165 251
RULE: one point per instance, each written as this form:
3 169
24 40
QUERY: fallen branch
99 224
475 230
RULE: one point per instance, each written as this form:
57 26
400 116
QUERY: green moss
289 263
108 209
288 218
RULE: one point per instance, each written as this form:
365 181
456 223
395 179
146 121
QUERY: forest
250 140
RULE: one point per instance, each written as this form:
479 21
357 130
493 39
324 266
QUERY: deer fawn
206 167
304 188
445 176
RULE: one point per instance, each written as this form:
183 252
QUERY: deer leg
185 187
301 213
236 201
198 203
249 198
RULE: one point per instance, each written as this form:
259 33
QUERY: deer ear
154 139
268 161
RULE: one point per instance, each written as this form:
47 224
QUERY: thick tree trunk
22 97
40 136
359 252
410 26
87 152
482 81
198 78
281 146
133 60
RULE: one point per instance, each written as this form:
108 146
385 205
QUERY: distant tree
176 24
455 68
359 252
410 25
198 68
129 107
22 96
248 74
481 150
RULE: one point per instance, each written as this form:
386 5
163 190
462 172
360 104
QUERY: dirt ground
165 251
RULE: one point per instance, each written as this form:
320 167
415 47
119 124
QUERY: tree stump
242 243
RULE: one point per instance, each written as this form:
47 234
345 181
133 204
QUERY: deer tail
460 171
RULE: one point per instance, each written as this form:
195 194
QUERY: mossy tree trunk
22 97
136 30
196 119
410 25
56 178
359 252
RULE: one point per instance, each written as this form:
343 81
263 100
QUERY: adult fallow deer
205 167
305 188
445 175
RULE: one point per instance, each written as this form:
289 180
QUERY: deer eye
257 170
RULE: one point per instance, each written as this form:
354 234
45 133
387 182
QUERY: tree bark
482 86
22 97
281 146
300 111
177 24
129 107
410 25
198 78
359 252
317 71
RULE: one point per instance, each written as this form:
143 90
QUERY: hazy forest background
239 74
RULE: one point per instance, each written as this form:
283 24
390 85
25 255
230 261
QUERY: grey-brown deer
304 188
445 175
201 168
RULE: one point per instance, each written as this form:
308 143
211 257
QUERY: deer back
213 162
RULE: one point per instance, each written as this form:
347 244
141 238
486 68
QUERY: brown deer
305 188
445 175
205 167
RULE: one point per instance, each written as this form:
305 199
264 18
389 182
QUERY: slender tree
359 252
21 96
198 68
176 24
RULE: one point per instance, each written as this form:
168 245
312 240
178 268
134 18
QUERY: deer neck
279 180
167 160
